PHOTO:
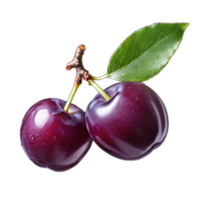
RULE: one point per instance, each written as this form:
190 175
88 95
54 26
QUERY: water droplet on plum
137 99
31 137
132 110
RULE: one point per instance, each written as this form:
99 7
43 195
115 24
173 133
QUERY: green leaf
144 53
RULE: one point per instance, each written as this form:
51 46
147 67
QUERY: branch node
77 63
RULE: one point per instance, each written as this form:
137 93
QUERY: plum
130 124
54 138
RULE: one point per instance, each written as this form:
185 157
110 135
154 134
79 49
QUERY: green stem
99 78
76 85
99 89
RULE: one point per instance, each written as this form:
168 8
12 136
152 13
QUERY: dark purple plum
129 125
54 138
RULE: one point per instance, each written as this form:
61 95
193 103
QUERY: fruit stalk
81 73
71 96
99 89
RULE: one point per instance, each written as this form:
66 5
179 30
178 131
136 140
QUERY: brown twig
81 72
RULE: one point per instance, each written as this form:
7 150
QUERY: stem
98 89
99 78
76 85
82 73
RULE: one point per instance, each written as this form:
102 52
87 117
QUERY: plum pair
128 126
127 120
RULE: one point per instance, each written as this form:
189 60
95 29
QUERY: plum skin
54 138
129 125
